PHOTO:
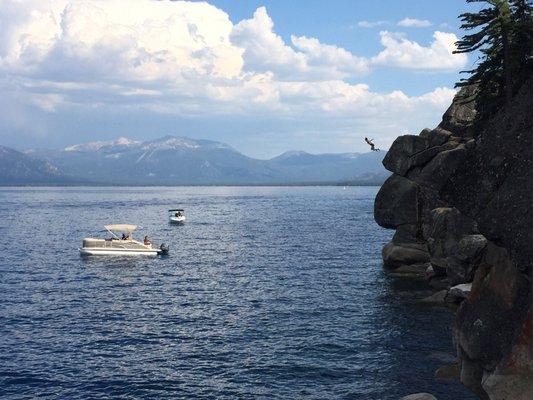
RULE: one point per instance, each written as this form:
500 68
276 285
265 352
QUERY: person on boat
371 144
147 241
124 237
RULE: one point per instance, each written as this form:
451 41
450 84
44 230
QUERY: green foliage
502 35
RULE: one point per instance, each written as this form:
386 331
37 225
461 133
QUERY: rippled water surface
267 293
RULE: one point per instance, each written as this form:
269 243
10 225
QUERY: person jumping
371 144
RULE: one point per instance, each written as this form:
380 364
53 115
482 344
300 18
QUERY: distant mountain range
182 161
17 168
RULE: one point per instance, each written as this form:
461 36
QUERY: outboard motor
164 248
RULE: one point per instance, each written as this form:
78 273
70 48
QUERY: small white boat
124 246
177 215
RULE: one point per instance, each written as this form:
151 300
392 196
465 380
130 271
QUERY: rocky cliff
461 204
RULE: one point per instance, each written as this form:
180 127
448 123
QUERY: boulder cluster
461 202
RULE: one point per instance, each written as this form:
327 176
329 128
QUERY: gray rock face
449 229
419 396
469 201
441 167
459 116
396 203
495 324
439 136
494 327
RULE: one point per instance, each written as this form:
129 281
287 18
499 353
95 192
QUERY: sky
263 76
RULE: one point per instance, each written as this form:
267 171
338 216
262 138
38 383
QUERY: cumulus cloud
414 23
403 53
307 59
329 60
264 50
90 39
92 60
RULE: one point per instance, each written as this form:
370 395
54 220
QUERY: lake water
266 293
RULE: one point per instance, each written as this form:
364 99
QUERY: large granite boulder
436 173
437 137
410 152
396 202
399 158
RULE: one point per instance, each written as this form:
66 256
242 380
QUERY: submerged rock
436 298
418 269
449 372
398 255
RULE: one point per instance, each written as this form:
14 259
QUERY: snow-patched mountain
95 146
168 160
174 160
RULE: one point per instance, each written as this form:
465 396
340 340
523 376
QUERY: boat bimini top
122 228
176 210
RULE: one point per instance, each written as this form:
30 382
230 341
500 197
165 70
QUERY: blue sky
263 76
336 22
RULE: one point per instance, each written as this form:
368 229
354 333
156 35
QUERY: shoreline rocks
461 208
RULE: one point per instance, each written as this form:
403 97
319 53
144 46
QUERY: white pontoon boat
121 246
177 215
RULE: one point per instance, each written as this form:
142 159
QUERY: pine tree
522 43
503 40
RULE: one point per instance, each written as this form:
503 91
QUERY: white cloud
414 23
371 24
330 60
403 53
92 39
309 59
187 60
264 50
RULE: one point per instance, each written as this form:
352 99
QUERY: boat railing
114 244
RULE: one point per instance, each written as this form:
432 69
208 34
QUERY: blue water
267 293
